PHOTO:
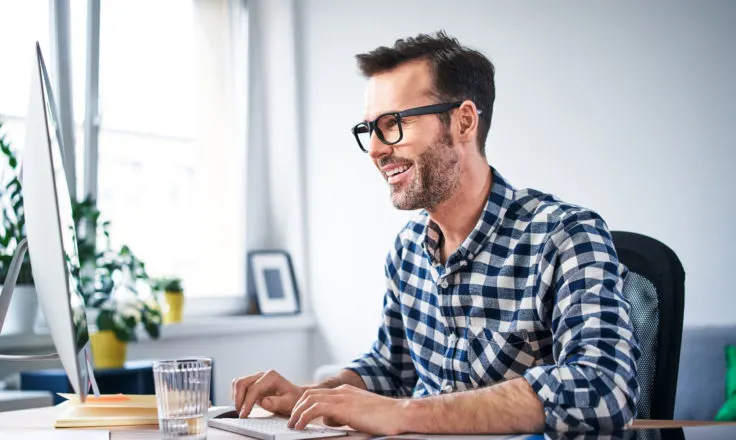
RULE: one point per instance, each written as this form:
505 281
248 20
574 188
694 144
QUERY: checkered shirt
535 291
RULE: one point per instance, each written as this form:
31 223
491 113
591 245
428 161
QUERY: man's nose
378 149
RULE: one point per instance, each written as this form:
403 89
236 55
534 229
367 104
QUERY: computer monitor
51 234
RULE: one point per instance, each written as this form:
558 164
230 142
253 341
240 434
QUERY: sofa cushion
700 382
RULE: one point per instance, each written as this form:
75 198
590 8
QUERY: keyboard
272 428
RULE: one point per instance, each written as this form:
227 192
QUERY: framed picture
271 282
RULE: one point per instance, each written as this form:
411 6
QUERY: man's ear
467 122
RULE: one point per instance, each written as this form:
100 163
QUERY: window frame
60 22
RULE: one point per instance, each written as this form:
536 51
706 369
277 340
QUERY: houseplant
115 287
24 303
174 297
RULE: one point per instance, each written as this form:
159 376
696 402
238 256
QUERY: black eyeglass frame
417 111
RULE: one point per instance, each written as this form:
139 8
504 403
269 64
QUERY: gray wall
625 107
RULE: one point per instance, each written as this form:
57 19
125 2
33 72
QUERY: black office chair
655 287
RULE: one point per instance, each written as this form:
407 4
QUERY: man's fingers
257 391
240 387
308 400
318 409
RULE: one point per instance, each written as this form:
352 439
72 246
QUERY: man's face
423 169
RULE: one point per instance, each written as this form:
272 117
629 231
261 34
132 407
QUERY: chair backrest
655 287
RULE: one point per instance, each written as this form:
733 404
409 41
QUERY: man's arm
507 407
592 386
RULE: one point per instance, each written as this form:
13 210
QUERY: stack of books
106 410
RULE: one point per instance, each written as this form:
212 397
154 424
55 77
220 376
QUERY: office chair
655 286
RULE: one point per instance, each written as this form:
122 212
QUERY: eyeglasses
388 125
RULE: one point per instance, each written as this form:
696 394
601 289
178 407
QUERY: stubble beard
436 177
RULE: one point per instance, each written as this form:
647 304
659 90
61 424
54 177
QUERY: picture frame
271 283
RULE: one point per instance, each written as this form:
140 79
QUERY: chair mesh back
642 295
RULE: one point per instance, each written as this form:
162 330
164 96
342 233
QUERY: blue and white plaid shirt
534 291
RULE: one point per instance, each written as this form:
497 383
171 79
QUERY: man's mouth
397 174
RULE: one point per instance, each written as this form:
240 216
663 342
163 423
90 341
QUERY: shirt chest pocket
497 356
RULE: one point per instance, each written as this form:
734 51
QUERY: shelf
192 328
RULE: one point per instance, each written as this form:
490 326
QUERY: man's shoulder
534 206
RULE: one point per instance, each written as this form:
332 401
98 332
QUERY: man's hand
347 405
270 390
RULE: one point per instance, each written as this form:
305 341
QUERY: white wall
625 107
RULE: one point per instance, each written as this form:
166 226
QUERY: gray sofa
701 380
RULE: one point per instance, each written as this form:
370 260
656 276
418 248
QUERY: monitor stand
7 293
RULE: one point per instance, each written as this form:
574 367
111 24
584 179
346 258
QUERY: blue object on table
135 377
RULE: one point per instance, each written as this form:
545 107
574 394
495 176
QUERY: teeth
396 171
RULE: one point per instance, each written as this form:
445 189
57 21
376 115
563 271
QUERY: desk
43 418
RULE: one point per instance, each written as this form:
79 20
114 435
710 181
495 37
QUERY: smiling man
503 310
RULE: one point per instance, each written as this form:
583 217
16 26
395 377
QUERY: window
171 158
21 25
170 173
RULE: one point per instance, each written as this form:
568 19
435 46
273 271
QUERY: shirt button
447 388
463 263
444 284
452 338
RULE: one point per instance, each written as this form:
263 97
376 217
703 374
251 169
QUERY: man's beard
436 177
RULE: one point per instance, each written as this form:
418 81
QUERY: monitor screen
66 220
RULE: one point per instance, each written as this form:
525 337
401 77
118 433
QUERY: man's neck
457 216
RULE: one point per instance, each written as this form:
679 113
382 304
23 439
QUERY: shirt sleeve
388 368
592 385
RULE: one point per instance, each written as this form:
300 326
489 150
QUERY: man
503 311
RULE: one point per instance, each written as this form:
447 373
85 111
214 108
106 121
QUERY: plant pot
175 307
22 310
107 350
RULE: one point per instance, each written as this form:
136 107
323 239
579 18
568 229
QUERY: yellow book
107 410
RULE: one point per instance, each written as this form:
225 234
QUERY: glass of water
183 397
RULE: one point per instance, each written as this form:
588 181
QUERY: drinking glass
183 397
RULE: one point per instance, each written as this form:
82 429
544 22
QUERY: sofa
701 381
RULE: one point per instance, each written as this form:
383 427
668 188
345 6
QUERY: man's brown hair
459 73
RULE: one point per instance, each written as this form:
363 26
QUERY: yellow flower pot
107 350
175 309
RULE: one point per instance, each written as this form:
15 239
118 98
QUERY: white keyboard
272 428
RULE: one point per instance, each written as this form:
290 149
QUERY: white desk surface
39 420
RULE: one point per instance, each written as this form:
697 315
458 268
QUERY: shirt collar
499 199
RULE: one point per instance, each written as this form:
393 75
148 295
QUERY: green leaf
124 334
130 321
153 330
105 320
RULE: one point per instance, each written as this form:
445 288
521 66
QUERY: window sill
190 329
